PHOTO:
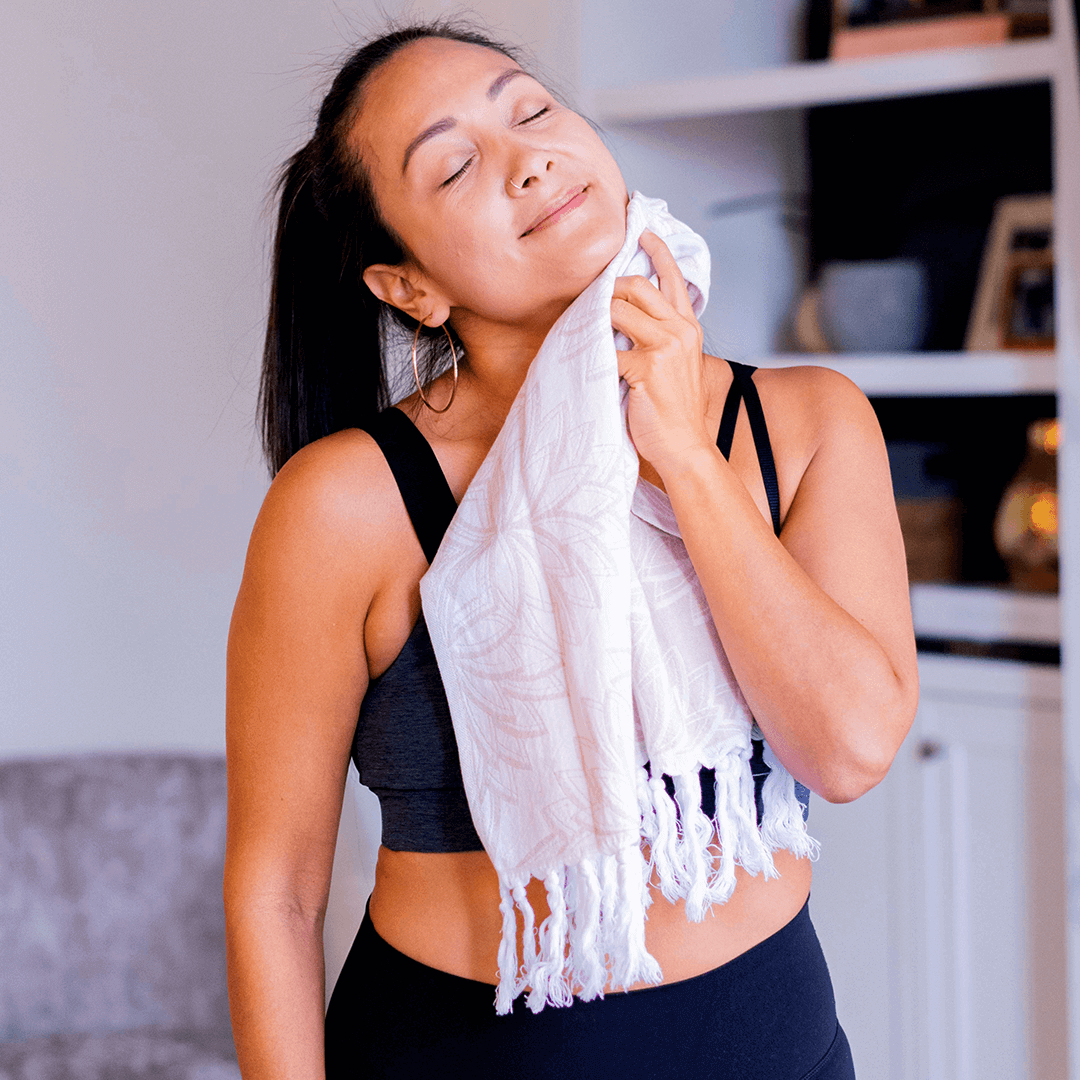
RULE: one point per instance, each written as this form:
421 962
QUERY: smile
565 204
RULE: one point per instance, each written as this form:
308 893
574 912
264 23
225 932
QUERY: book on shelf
935 32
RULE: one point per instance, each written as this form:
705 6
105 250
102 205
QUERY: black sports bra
404 747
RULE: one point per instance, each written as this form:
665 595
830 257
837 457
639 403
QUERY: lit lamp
1026 525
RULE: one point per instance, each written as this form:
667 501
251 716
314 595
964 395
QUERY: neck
497 359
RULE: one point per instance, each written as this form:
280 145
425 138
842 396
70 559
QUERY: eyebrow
448 122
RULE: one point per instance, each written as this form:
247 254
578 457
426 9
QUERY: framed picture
1014 299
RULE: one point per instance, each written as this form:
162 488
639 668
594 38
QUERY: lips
557 209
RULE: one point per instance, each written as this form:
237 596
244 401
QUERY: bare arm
296 675
817 624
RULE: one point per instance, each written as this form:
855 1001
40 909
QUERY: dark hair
323 362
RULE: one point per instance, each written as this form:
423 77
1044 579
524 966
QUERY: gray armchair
112 935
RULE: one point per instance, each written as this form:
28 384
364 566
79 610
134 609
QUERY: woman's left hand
665 369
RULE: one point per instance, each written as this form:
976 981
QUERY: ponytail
322 368
323 362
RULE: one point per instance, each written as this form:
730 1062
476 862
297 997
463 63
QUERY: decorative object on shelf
1014 300
758 247
919 178
868 306
928 508
817 29
1026 525
862 28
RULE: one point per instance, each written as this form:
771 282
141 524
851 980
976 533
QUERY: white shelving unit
981 613
936 374
798 86
661 116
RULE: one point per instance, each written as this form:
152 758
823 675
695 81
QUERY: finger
672 282
642 293
641 328
627 359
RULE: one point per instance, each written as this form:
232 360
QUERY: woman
447 189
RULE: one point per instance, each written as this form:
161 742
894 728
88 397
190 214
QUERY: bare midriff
443 910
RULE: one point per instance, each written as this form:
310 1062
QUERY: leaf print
575 643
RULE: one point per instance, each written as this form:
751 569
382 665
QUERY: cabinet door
940 895
862 920
970 866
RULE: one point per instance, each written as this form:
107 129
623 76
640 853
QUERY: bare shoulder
816 418
334 508
818 402
813 412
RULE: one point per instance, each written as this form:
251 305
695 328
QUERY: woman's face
508 202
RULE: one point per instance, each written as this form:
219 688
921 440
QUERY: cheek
503 282
592 148
476 262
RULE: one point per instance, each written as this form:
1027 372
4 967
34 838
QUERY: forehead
421 83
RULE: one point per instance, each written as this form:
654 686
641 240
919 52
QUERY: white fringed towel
575 644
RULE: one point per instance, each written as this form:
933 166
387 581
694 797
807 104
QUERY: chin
601 238
597 253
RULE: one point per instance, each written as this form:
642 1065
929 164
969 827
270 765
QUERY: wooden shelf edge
963 374
827 82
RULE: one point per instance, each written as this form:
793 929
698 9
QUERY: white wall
139 142
628 41
138 145
758 264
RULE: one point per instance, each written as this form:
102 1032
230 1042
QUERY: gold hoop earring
416 369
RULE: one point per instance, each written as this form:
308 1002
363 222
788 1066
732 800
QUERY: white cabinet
951 966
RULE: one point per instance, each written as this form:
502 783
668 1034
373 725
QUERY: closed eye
464 168
458 175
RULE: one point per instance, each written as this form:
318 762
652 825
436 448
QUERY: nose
527 171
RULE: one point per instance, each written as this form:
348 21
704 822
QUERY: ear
406 289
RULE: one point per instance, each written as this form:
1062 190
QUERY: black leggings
769 1014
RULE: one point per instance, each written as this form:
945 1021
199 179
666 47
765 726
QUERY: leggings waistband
768 1014
387 957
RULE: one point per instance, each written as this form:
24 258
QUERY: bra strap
427 496
726 435
742 386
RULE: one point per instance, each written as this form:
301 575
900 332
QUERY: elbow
863 759
254 897
850 783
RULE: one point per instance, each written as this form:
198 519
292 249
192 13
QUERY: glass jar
1026 524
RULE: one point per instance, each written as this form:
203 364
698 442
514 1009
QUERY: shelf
943 374
984 613
825 82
